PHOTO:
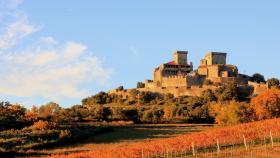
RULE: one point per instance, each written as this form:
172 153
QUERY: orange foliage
32 115
168 112
226 136
41 125
267 104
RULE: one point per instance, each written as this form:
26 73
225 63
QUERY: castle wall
179 91
203 70
213 71
174 81
258 87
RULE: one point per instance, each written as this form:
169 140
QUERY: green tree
228 91
208 96
99 98
257 77
11 115
100 113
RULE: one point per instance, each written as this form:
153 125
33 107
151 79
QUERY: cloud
16 31
45 69
55 73
48 40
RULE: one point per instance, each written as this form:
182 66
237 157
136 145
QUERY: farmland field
124 135
253 136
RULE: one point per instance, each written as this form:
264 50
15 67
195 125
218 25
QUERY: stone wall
179 91
258 87
213 58
174 81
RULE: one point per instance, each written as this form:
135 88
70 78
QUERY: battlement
174 77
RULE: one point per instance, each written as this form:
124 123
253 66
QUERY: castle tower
181 57
213 58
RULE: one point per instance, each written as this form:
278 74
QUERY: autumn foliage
267 104
226 136
41 125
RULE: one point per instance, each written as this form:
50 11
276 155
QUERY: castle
179 78
179 73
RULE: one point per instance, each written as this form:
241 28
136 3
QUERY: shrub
64 134
41 125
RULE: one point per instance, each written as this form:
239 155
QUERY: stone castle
180 73
179 78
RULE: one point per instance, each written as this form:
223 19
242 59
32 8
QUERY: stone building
215 68
173 73
180 73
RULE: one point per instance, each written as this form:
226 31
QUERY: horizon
65 51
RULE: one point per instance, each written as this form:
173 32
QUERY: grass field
124 135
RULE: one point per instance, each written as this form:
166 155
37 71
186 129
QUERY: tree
32 115
100 113
130 115
99 98
140 85
230 113
120 88
11 115
49 111
227 92
208 96
267 104
257 77
273 82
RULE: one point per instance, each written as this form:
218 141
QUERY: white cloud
48 40
47 68
54 74
16 31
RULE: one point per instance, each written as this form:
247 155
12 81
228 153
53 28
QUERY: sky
66 50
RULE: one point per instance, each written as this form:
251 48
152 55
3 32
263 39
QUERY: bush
41 125
153 115
100 98
64 134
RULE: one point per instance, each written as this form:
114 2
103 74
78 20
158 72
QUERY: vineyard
263 132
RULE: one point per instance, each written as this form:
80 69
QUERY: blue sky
65 50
